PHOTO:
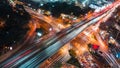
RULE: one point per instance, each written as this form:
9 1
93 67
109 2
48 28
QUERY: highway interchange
38 51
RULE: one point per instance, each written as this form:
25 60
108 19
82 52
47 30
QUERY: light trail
50 48
46 53
111 60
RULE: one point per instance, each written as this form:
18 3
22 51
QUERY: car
93 46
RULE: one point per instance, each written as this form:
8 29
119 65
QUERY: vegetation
57 8
13 30
74 62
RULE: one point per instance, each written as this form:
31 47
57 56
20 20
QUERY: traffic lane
40 16
95 14
43 26
67 30
50 50
37 15
60 34
80 30
18 57
12 61
111 60
15 58
53 48
29 62
31 32
102 43
24 59
73 25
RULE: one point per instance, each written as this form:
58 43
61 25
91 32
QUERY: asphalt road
34 56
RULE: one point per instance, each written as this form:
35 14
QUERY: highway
34 56
49 51
110 58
